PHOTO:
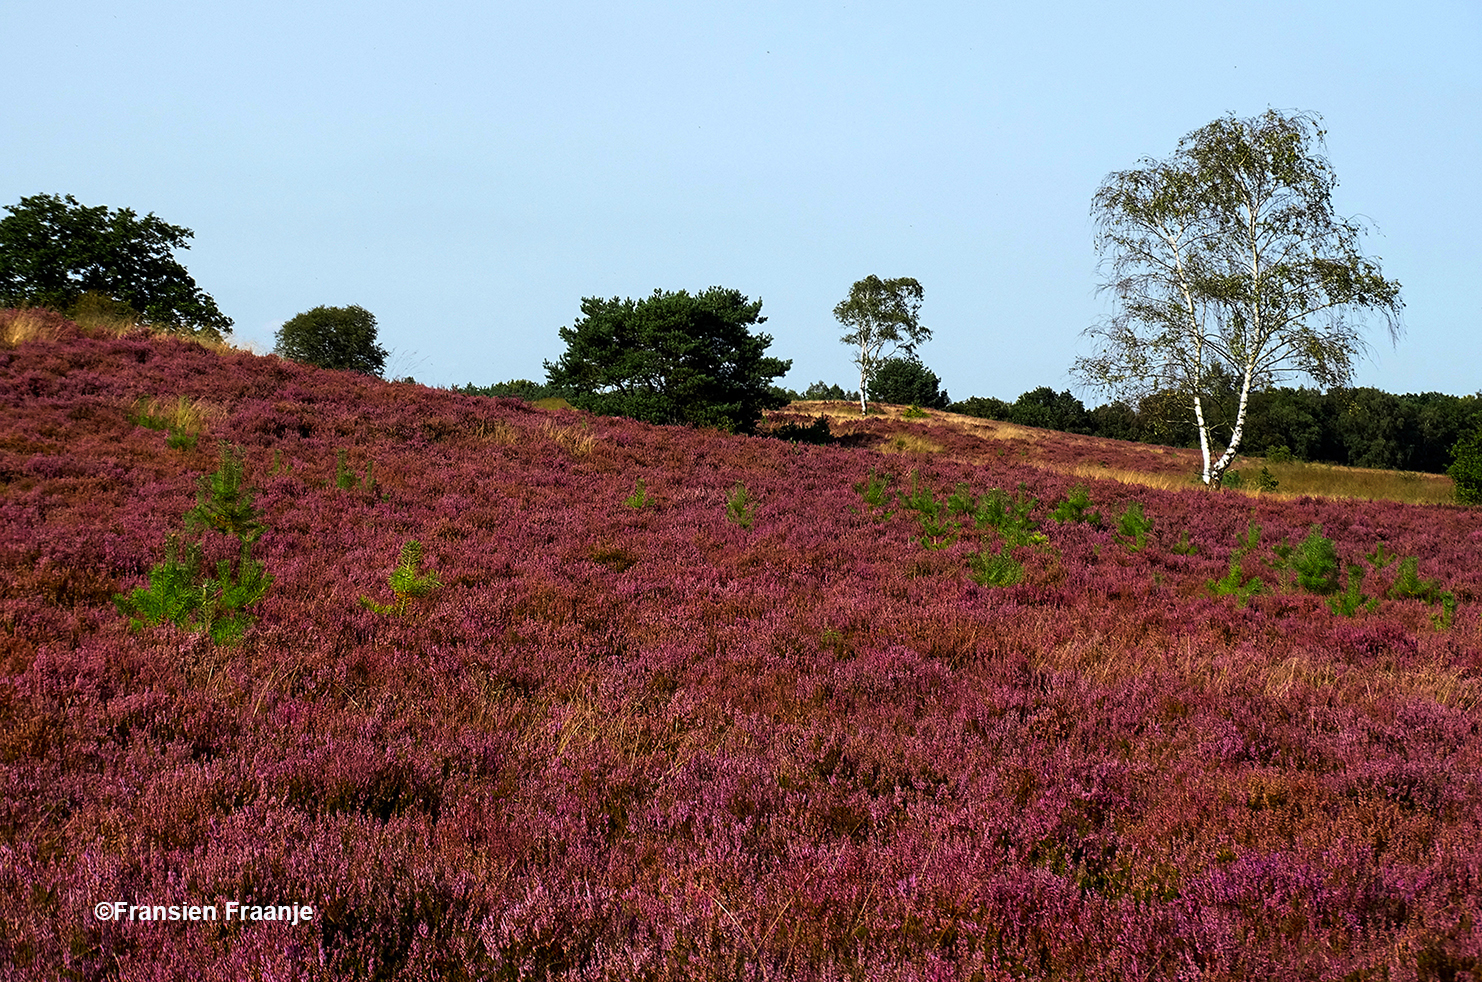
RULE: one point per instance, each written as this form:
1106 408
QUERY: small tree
54 250
907 382
881 315
1227 261
671 358
333 337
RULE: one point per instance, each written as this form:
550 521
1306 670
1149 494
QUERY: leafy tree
671 358
825 391
1466 466
881 314
983 407
1050 410
333 337
1227 258
907 382
53 250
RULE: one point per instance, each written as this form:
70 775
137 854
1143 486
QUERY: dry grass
909 443
20 326
1332 481
178 415
496 432
574 440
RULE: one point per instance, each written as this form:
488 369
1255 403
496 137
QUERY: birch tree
1227 259
883 317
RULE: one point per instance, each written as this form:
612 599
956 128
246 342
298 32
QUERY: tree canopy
1228 261
53 250
907 382
333 337
882 316
671 358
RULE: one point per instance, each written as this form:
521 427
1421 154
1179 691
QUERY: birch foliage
883 316
1226 261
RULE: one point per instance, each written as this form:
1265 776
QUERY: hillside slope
801 741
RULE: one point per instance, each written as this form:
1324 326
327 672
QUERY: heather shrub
179 591
408 581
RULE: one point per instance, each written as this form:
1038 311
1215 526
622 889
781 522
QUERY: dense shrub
907 382
333 337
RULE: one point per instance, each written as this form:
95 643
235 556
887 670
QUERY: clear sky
469 171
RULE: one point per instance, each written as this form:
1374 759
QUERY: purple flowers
649 742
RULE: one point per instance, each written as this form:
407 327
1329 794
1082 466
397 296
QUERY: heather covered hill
689 705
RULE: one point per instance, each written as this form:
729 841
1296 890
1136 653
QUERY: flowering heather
646 741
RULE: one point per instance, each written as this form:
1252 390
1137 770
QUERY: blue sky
468 172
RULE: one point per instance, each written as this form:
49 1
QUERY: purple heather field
685 739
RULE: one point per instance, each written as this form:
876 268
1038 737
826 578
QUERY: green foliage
913 411
1351 600
408 581
346 480
1315 562
671 358
994 569
1234 480
1133 527
740 508
1047 409
1281 454
333 337
1073 508
825 391
1231 270
1381 556
224 503
905 381
982 407
1466 466
1447 615
1409 586
54 250
1235 584
179 591
1266 482
1008 515
875 490
816 433
880 315
639 499
1183 547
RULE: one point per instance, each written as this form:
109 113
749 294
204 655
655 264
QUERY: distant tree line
1356 427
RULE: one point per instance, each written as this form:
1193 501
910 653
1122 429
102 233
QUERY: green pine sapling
407 581
179 592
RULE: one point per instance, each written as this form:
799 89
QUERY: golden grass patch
25 325
574 440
